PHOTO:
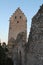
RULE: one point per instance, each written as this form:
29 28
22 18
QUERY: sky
8 7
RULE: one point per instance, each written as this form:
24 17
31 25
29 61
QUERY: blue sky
7 7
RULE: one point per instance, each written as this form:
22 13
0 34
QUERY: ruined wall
18 51
35 55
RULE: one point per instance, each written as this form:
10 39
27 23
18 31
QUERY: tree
2 56
4 59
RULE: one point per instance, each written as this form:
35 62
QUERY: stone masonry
35 54
22 52
17 37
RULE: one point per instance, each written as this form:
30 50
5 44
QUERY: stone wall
35 54
18 49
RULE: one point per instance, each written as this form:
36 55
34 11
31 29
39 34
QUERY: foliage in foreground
4 60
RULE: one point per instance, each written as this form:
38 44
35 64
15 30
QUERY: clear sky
7 7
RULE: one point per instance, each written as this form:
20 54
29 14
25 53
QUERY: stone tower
18 24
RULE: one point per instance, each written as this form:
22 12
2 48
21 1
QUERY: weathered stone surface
17 37
18 52
35 55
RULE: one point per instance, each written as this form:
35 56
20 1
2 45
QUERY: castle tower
18 24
